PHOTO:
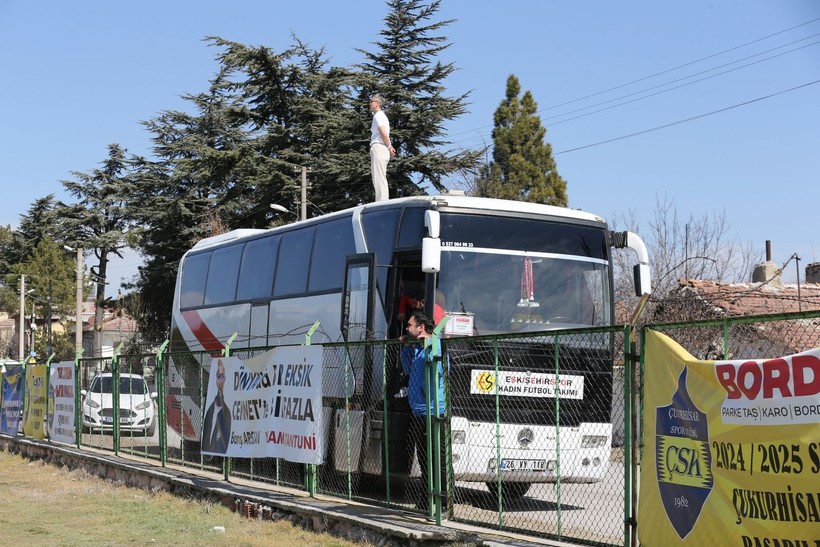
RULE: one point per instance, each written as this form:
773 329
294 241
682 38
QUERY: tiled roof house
765 295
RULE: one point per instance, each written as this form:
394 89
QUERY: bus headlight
459 436
593 441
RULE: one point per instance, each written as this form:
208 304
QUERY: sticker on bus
526 384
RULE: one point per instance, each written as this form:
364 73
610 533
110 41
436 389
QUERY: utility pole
21 337
78 336
47 323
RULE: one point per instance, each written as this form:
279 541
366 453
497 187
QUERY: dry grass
46 505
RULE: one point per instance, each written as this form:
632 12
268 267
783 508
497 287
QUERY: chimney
813 272
768 271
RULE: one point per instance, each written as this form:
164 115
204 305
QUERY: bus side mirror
432 221
430 255
640 275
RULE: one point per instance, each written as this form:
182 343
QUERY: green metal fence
536 436
525 443
120 406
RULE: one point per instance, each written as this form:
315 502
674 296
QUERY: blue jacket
413 363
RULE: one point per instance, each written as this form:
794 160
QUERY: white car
136 404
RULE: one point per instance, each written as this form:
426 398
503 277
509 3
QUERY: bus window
294 257
412 227
222 275
380 231
334 241
194 273
258 264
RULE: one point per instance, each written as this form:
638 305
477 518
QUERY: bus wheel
510 490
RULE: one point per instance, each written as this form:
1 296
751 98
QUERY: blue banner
12 399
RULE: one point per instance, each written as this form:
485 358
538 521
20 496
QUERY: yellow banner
34 407
731 451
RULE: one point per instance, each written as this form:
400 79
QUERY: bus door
357 297
355 373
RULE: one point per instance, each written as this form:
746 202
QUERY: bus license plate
523 465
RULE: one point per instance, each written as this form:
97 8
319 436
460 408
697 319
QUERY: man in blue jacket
415 361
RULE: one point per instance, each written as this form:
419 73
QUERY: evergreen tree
205 180
299 112
37 224
99 220
6 243
266 115
522 167
50 288
50 275
404 69
50 284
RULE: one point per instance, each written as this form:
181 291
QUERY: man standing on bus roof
381 149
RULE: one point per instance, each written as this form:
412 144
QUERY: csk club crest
684 460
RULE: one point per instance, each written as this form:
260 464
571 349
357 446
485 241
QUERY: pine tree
50 288
194 179
522 167
37 224
405 71
300 115
99 221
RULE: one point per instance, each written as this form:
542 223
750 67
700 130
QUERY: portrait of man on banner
216 431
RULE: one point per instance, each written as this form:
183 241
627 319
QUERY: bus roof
490 204
448 200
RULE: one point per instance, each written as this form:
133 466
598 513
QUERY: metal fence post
432 361
629 416
78 411
162 419
310 468
497 401
49 400
226 461
115 390
557 358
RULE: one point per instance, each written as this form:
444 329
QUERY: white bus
495 267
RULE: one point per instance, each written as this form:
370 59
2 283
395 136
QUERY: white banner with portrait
267 406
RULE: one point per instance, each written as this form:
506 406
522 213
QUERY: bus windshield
513 274
508 293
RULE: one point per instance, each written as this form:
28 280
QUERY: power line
681 80
630 135
684 65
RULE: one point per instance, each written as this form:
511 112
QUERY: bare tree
697 247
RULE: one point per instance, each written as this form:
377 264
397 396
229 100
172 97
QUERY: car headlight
92 403
143 405
459 437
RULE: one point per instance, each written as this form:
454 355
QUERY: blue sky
81 75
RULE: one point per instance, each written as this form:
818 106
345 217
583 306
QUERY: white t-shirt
379 120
